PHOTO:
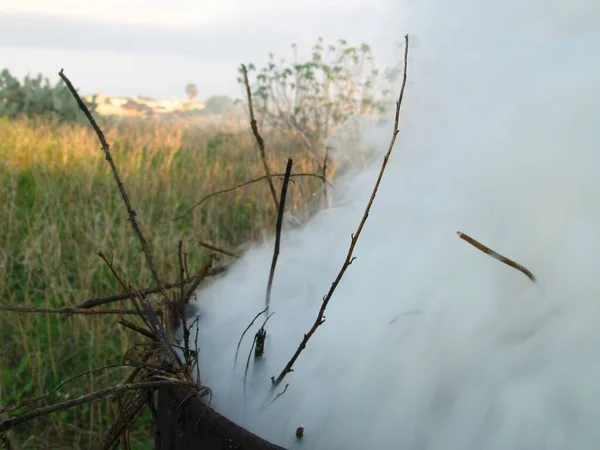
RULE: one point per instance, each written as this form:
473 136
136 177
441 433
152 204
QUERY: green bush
36 97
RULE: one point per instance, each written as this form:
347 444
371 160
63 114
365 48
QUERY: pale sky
154 47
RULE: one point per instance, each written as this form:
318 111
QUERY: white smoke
429 343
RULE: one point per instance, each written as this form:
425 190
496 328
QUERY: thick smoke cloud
429 343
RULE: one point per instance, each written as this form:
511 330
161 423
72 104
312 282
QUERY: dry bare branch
247 183
7 424
64 310
217 249
134 327
45 395
93 302
284 186
130 211
497 256
132 293
257 136
320 319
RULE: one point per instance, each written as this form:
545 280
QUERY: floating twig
497 256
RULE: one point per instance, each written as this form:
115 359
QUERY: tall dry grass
59 205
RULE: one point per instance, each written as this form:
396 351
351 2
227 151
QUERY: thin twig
128 288
202 274
248 365
132 326
180 311
7 424
247 183
320 319
93 302
257 136
281 393
325 161
217 249
497 256
255 341
61 384
181 270
64 310
119 429
261 337
132 214
284 186
237 350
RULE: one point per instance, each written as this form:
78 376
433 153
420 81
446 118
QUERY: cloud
263 33
129 58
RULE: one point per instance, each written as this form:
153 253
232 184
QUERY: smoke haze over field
429 343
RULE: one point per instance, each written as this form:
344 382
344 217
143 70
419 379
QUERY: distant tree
37 97
191 90
218 104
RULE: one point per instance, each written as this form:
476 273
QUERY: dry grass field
59 206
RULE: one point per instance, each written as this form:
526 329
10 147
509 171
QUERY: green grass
59 205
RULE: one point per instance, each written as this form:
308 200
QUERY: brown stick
47 394
497 256
284 186
64 310
259 139
128 288
7 424
92 302
132 326
217 249
349 258
325 160
247 183
132 214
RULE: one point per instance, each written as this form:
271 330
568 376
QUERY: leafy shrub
36 97
312 97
